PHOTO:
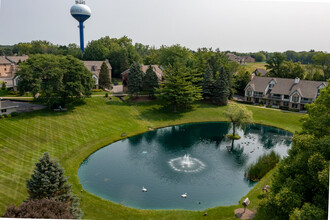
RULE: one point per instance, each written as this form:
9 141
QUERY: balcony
258 95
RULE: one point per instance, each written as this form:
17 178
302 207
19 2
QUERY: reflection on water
124 167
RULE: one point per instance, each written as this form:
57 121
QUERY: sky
236 25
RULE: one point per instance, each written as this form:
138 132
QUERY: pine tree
151 81
178 89
208 83
135 79
221 87
104 78
48 181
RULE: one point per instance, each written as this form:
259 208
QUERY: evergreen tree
48 182
135 79
208 83
3 86
151 81
222 87
104 79
178 89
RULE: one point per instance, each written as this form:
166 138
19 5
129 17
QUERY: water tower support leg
81 28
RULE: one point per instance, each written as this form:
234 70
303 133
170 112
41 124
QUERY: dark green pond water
211 173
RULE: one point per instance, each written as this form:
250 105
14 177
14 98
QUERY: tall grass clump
263 165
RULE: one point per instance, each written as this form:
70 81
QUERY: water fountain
187 164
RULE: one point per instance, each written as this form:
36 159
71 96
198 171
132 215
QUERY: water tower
81 13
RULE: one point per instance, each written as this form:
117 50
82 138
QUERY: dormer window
249 92
295 98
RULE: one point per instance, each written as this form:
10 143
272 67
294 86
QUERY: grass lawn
73 135
253 66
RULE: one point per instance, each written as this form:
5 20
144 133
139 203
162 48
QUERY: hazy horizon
235 25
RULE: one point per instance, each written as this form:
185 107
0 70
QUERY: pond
196 159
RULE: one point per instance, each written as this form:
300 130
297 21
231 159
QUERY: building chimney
296 80
252 76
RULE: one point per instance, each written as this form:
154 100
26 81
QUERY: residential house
260 72
95 68
242 60
8 69
7 107
157 69
282 93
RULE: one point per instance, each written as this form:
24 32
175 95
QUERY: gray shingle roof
283 86
3 60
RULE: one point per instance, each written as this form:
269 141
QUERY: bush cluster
263 165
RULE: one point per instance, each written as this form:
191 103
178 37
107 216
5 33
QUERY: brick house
95 68
8 69
281 92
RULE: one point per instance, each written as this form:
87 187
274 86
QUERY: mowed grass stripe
71 136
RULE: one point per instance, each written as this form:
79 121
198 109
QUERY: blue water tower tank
81 13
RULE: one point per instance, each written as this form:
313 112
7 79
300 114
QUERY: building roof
3 60
6 104
95 66
8 81
262 72
16 59
283 86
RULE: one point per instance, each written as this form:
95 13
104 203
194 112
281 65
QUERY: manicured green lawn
72 136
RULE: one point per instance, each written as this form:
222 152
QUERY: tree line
121 52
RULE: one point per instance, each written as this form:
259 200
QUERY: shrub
106 95
97 90
45 208
284 107
12 92
293 110
14 114
263 165
268 106
4 116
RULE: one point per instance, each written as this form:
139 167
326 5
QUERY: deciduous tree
238 115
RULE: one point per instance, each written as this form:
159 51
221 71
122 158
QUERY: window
286 97
285 103
249 92
3 110
294 106
5 69
295 98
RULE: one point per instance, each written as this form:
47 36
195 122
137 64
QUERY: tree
239 115
323 60
222 87
57 79
135 79
259 57
208 84
291 70
302 180
104 80
178 90
44 208
241 79
120 52
274 63
48 182
3 85
151 81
